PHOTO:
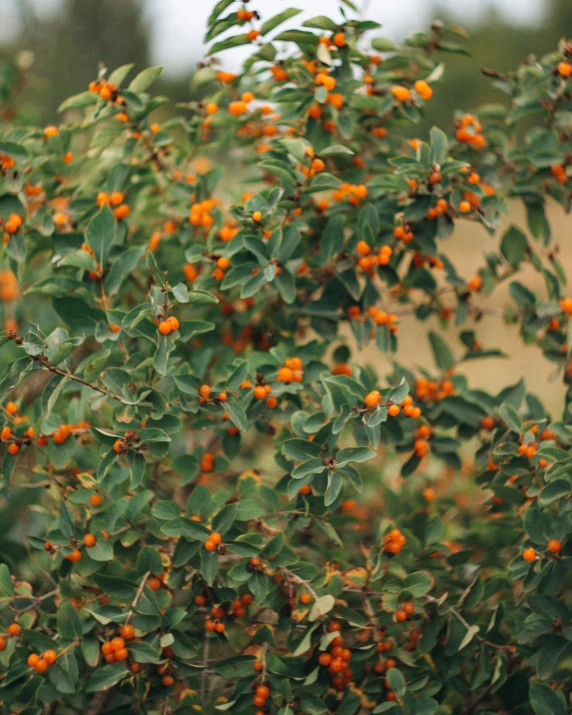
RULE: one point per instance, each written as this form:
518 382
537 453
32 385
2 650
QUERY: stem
204 673
57 371
137 596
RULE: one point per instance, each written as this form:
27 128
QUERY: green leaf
469 635
102 550
396 681
354 454
165 346
143 652
229 43
53 390
545 700
510 417
106 677
100 234
181 292
514 246
381 44
555 490
441 352
94 368
439 144
321 607
300 449
311 466
336 150
69 626
144 79
321 23
237 666
335 483
419 583
79 259
273 22
78 101
236 413
122 268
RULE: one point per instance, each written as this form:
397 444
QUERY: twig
204 673
57 371
137 596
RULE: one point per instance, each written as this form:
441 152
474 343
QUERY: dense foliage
185 432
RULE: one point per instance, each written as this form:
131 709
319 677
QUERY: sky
177 26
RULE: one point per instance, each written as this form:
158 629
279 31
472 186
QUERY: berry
41 666
50 656
372 399
117 644
555 546
127 632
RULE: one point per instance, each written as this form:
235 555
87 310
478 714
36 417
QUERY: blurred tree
496 43
69 43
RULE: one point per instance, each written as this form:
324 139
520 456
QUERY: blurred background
69 37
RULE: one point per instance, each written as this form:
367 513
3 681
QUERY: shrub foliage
186 425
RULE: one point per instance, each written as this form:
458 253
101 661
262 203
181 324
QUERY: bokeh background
69 37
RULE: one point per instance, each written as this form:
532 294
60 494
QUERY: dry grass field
466 249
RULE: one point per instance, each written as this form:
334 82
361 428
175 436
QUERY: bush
185 432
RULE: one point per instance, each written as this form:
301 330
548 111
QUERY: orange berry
260 392
33 658
394 410
555 546
89 540
237 108
117 644
173 322
305 598
164 327
14 629
372 399
423 89
168 681
41 666
401 93
95 500
13 449
127 632
50 656
529 554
